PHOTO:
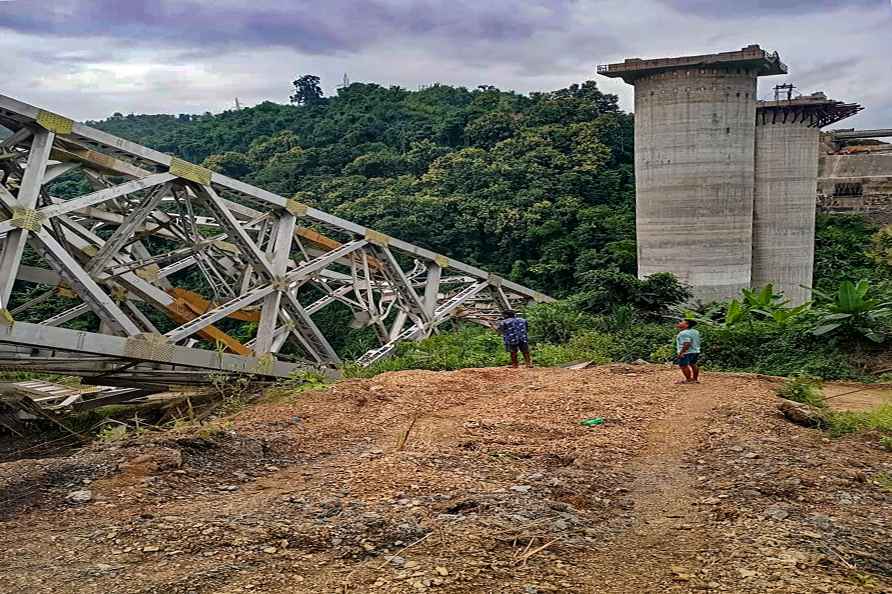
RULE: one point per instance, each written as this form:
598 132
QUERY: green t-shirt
690 335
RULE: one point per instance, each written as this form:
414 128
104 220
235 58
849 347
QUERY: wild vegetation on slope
536 187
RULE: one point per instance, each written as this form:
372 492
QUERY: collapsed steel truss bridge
259 267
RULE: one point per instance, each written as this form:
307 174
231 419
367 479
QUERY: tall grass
878 419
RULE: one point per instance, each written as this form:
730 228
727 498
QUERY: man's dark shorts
523 347
688 359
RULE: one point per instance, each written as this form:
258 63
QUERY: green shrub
622 316
839 251
878 419
560 333
295 383
806 390
853 312
662 354
112 433
660 291
881 247
603 290
640 341
764 347
470 346
474 346
556 322
589 346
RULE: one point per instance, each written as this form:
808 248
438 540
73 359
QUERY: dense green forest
539 188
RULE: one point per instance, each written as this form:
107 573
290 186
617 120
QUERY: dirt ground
474 481
848 396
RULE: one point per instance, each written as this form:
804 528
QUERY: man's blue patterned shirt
514 331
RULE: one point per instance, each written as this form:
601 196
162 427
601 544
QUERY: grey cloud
92 58
724 9
814 76
311 27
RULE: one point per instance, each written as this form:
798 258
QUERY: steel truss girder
165 357
263 252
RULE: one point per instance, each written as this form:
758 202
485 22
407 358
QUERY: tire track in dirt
667 531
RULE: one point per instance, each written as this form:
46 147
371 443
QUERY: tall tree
307 90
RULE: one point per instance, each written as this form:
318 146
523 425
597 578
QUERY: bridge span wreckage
151 222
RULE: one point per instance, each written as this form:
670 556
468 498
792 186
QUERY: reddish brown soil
485 475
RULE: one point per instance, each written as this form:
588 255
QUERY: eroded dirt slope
485 475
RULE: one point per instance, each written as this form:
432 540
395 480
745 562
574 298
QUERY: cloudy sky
90 58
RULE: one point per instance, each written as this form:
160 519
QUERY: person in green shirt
687 347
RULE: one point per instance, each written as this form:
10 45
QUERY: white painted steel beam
95 198
117 240
74 341
78 279
17 237
279 254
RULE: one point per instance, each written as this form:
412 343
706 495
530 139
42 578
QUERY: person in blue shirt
687 347
514 333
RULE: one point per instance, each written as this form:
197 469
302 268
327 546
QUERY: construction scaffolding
151 222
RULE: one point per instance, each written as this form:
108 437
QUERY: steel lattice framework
152 220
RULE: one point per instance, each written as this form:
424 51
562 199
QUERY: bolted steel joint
149 346
296 208
150 273
26 218
64 290
118 294
54 122
190 171
376 237
265 363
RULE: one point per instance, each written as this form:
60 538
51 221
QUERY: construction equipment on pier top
154 225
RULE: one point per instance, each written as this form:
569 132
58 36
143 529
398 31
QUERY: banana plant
851 310
736 312
763 303
784 316
764 300
754 304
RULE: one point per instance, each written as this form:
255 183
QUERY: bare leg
695 372
514 359
528 359
688 374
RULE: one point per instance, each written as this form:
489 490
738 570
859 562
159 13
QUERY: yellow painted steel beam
326 242
200 305
181 313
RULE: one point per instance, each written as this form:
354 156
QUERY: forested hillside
536 187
